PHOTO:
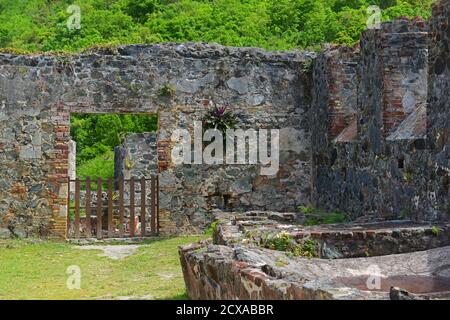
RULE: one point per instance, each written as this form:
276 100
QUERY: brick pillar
336 67
59 164
404 55
342 82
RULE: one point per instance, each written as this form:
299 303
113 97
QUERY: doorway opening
113 183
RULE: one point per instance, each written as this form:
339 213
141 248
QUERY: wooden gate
114 213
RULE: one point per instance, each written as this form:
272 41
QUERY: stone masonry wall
385 169
179 82
438 109
137 156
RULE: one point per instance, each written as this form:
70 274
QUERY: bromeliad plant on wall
220 118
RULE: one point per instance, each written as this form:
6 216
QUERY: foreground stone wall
179 82
243 272
237 265
382 165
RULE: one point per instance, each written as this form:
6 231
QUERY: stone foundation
334 241
349 258
240 272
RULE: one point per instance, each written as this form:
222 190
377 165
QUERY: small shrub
64 62
212 228
166 90
309 249
435 231
307 67
219 118
306 210
283 241
129 164
111 48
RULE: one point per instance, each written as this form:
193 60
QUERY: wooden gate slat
153 208
77 209
121 206
88 207
132 226
99 208
143 208
110 208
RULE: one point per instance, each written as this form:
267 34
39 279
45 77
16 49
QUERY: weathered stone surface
241 272
5 233
178 82
137 157
393 168
354 261
347 240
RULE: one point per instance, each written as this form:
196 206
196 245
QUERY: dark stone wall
438 112
389 170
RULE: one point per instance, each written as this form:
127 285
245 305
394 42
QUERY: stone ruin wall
392 161
353 135
179 82
438 109
136 157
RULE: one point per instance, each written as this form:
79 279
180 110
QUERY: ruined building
362 130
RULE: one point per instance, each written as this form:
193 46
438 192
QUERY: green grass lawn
38 271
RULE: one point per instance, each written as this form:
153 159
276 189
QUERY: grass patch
37 270
315 216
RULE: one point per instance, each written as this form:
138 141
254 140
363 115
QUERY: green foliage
98 134
41 25
283 241
219 118
102 166
212 228
281 263
166 90
316 216
435 231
